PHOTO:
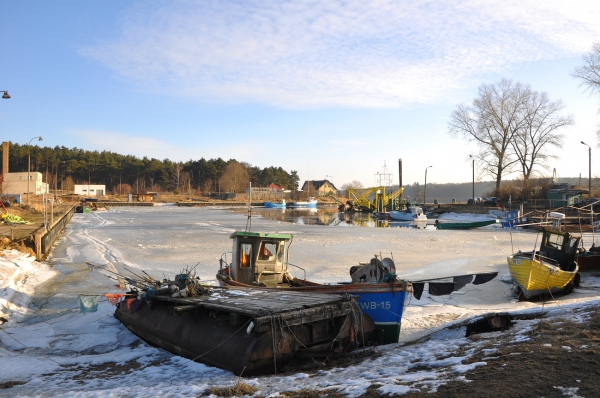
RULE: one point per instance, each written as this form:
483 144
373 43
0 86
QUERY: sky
330 89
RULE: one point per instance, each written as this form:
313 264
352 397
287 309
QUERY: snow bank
19 275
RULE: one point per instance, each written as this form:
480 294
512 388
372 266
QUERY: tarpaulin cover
483 278
461 281
418 290
441 288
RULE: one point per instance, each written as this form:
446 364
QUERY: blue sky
330 88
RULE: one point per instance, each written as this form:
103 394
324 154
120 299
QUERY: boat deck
262 305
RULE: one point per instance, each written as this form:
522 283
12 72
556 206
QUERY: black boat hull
230 341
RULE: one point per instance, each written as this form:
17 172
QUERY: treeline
63 167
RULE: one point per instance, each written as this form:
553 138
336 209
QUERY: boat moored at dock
280 204
260 260
310 203
413 213
549 270
247 331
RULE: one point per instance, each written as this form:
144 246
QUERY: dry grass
237 390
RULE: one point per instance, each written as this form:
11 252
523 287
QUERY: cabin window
245 255
268 251
554 241
573 244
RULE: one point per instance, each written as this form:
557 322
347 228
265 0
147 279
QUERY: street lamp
56 180
590 169
5 95
28 159
425 191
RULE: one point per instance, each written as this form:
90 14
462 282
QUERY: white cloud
343 53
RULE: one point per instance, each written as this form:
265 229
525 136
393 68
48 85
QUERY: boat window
280 252
267 251
246 255
554 241
573 244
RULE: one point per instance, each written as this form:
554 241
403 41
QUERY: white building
90 190
16 183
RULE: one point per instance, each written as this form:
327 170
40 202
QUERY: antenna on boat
249 220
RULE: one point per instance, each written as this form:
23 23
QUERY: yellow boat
551 269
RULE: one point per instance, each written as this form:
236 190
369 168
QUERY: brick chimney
4 157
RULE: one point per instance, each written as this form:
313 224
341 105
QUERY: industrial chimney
400 175
5 157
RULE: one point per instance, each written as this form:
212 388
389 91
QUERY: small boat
381 215
247 331
83 209
280 204
589 260
413 213
260 260
311 202
551 269
463 225
498 213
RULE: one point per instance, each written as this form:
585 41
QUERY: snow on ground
58 352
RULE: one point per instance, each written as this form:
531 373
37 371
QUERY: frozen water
58 352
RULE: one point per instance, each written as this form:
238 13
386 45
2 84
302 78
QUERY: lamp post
589 169
29 160
56 180
425 190
5 95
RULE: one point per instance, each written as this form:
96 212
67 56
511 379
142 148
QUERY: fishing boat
261 260
463 225
589 260
247 331
311 203
280 204
413 213
551 269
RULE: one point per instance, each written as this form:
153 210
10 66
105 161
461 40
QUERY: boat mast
249 220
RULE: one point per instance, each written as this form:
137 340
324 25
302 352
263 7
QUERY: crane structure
371 199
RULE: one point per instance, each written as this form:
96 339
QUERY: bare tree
538 133
235 177
176 174
492 121
589 74
355 184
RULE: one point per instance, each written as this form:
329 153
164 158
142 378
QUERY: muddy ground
561 358
19 236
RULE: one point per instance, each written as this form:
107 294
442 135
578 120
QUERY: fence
45 238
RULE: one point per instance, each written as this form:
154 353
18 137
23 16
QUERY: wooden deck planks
257 303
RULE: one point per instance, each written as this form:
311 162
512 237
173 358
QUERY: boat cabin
259 258
561 247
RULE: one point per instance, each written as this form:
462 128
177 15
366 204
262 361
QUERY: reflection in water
331 217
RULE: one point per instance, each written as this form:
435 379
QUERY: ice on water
59 352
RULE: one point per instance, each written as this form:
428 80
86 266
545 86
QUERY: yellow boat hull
536 277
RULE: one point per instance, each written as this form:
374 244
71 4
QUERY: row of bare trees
516 127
